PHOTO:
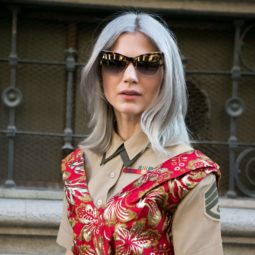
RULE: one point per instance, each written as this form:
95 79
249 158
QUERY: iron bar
32 133
11 129
78 64
251 69
208 72
236 75
42 62
220 73
245 164
70 66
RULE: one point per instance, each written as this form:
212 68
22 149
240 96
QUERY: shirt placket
108 175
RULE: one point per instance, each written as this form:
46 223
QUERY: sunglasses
146 64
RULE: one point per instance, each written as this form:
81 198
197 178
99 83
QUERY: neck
127 125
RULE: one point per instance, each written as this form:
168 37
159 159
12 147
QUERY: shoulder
189 168
177 149
72 165
73 157
204 191
189 159
198 210
81 154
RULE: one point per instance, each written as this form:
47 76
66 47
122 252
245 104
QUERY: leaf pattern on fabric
87 249
133 241
117 210
76 190
88 216
138 219
152 201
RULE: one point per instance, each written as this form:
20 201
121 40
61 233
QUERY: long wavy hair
163 121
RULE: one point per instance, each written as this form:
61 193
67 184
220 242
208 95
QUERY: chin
131 111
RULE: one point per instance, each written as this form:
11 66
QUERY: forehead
133 44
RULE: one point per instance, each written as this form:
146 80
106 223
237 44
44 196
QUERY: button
99 202
112 175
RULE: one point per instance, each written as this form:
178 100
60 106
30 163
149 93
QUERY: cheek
106 81
157 84
160 81
109 86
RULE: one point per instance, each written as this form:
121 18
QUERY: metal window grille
42 116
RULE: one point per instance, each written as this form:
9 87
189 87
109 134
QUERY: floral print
138 219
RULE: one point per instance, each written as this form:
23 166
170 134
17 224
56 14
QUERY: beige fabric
107 180
202 235
65 232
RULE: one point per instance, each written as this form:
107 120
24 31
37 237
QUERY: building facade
43 47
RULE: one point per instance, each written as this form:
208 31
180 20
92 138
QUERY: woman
135 185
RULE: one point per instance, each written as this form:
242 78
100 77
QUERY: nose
130 74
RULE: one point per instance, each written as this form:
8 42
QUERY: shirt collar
134 145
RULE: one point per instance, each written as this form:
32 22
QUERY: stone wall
29 221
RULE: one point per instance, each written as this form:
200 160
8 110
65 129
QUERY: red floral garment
138 219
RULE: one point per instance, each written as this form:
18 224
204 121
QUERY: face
130 92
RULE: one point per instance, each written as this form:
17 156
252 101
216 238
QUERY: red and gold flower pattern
138 219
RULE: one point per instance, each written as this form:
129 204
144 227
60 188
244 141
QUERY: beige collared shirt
201 233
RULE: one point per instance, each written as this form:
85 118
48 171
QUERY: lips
130 93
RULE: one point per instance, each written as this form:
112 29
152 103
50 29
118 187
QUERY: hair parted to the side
163 122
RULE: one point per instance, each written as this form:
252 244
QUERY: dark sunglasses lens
113 66
147 68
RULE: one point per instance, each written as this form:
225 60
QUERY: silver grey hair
163 121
